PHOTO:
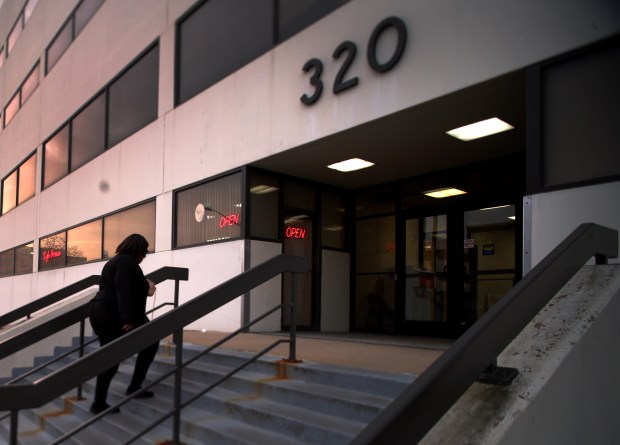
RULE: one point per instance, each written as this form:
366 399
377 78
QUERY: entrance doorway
457 265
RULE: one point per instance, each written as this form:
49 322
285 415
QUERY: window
264 206
9 192
131 103
84 12
30 84
7 263
15 33
56 157
117 227
133 98
29 8
84 243
70 30
88 133
24 258
11 109
2 56
217 218
20 184
333 220
218 38
53 251
58 46
295 15
24 92
27 179
97 239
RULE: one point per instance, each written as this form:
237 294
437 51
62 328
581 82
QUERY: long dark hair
135 245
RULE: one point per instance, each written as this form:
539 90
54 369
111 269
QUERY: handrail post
176 293
292 356
81 354
178 379
13 439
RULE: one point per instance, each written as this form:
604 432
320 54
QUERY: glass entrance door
426 253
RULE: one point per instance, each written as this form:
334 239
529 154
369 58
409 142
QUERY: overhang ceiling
413 141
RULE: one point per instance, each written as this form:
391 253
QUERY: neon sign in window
295 232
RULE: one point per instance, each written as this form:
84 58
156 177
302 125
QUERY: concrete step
268 402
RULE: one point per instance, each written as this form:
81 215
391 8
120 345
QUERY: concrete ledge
568 389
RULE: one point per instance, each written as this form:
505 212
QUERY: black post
292 356
177 338
13 439
81 354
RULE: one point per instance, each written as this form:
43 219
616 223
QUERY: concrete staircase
267 403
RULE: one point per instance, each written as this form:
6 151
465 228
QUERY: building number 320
341 82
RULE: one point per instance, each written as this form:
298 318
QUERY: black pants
106 334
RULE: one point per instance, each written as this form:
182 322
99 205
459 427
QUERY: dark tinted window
264 206
24 259
84 13
7 263
133 98
220 37
56 157
59 45
88 133
295 15
333 217
30 84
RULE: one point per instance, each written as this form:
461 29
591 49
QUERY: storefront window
84 243
53 251
24 258
209 212
117 227
376 201
56 157
299 196
264 206
333 219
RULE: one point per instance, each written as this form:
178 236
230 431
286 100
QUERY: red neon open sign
295 232
230 220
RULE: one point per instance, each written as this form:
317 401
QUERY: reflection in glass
426 252
84 243
117 227
376 245
30 5
56 157
27 179
30 84
24 258
11 109
333 220
9 192
264 206
15 33
295 15
52 251
88 133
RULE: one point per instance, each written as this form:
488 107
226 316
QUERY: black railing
24 396
412 414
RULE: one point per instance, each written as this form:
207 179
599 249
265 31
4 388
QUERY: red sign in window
51 254
230 220
295 232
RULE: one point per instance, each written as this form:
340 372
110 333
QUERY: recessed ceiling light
444 192
512 217
480 129
262 189
350 165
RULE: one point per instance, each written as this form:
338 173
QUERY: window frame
16 170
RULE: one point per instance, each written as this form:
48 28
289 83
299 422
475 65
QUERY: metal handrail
28 309
24 396
73 316
413 413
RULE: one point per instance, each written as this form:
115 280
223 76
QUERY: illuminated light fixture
262 189
350 165
496 207
333 228
480 129
445 192
512 217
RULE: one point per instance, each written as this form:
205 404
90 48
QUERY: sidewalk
367 351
